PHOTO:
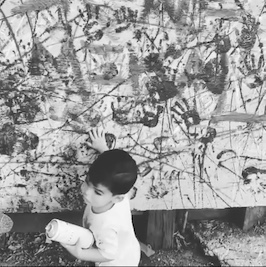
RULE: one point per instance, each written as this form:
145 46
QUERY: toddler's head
110 176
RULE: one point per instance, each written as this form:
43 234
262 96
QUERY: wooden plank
208 214
169 228
155 229
254 215
36 222
161 227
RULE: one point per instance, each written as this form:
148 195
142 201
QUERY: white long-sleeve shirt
114 234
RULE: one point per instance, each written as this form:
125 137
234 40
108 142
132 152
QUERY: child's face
99 197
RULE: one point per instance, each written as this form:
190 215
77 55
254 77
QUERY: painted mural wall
179 84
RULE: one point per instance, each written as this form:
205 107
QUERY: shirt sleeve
107 243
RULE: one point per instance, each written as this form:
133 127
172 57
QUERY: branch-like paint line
12 34
238 117
31 5
29 20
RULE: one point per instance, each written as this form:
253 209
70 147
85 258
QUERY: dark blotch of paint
25 206
125 15
223 44
8 138
11 137
109 71
29 141
215 73
120 115
256 83
191 117
137 35
172 51
110 140
209 137
248 34
23 107
250 170
151 119
23 172
153 63
98 35
35 63
166 89
69 154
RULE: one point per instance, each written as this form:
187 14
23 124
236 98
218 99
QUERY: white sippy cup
67 233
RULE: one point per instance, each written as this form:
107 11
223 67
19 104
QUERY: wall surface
179 84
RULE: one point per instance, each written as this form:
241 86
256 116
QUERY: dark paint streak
220 154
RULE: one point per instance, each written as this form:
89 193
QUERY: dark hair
115 169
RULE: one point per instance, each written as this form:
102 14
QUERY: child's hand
98 141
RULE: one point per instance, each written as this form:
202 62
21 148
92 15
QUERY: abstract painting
179 84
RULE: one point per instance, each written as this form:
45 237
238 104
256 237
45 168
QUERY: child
107 214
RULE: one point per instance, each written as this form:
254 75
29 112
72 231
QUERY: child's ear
118 198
